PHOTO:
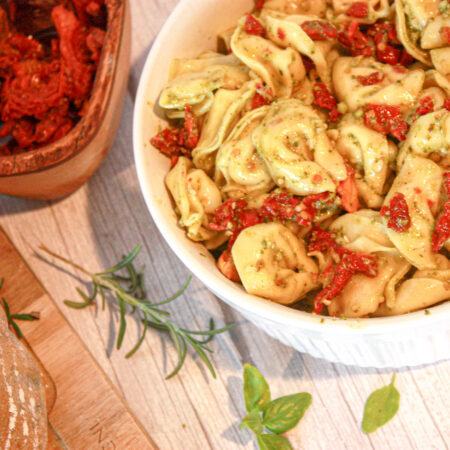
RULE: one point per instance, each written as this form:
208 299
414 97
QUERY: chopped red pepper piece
369 80
398 213
447 104
325 99
386 119
348 191
252 26
234 216
319 30
426 106
359 10
442 229
350 263
354 40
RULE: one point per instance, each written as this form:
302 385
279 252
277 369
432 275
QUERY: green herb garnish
278 416
11 318
381 407
129 291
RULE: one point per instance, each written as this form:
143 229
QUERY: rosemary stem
67 261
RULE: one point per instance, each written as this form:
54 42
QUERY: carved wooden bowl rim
84 131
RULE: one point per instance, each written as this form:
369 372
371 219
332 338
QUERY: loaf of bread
23 415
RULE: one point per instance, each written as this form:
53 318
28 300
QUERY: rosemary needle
129 291
11 318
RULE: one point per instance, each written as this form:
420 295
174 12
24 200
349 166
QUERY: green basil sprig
278 416
381 407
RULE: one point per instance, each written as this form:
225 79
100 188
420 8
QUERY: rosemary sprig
129 291
11 318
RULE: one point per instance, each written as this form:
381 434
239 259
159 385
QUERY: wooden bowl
58 169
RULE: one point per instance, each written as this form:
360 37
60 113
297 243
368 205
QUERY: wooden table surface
106 218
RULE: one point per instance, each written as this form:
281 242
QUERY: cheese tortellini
310 153
272 263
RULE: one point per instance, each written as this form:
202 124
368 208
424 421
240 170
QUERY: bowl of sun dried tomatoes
63 75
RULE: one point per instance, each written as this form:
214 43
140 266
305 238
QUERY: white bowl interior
191 29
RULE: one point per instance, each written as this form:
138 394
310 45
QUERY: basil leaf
252 421
284 413
273 442
256 389
381 407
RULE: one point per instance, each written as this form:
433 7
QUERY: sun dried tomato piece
94 41
350 263
53 124
388 54
167 142
252 26
286 206
325 99
192 132
348 191
386 119
258 101
398 213
23 132
369 80
319 30
259 4
442 229
85 8
281 34
226 265
447 104
446 34
426 106
36 87
355 41
359 10
76 66
234 216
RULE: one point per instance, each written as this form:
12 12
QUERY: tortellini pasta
371 153
196 197
419 180
428 136
311 155
224 114
240 171
396 88
281 70
272 263
293 142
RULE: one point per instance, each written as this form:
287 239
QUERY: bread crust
23 414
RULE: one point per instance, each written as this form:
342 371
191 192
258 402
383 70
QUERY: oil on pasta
310 153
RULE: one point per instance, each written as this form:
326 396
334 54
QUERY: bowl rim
225 289
67 147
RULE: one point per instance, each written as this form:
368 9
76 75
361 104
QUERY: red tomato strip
369 80
350 263
398 213
234 216
252 26
319 30
442 229
386 119
325 99
358 10
348 191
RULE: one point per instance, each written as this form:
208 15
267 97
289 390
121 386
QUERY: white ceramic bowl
407 340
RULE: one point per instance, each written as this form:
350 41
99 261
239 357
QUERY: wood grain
83 407
107 218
